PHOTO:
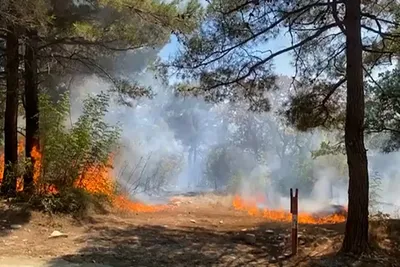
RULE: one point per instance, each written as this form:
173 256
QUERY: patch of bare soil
193 231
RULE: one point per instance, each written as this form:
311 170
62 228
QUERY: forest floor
193 231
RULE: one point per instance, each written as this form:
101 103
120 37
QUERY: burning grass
250 206
95 180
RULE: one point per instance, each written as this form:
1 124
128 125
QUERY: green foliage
326 148
315 107
225 58
26 13
76 38
74 201
301 175
126 24
67 153
128 91
219 167
383 109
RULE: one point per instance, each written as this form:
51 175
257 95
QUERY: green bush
67 152
76 201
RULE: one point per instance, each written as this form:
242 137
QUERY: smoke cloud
174 144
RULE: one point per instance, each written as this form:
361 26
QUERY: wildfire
96 179
21 145
251 208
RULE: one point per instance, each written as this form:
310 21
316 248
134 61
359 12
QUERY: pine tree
229 58
66 38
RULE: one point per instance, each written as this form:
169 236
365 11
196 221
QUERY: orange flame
20 150
96 180
283 216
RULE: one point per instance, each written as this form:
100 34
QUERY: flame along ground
281 215
96 179
100 180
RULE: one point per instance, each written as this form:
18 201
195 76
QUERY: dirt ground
192 231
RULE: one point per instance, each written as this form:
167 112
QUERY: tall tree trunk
356 234
8 186
31 105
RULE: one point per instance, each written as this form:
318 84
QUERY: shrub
68 154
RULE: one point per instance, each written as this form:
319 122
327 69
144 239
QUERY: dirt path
32 262
193 232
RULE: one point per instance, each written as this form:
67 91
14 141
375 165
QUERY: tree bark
356 233
8 186
31 105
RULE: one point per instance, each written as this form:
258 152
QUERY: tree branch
336 17
272 56
333 89
384 35
81 41
371 16
224 52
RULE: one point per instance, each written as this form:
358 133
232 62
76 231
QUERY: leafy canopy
383 109
228 57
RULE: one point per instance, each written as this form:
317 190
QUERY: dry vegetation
191 231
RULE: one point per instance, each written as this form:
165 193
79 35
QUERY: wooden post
294 201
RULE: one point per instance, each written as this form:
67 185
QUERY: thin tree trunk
356 233
31 105
194 169
8 186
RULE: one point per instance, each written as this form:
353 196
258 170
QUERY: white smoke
147 135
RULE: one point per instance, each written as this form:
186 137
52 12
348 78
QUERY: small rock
273 260
287 255
302 241
244 230
177 203
4 221
15 226
269 231
281 237
221 222
56 234
193 221
282 244
281 258
250 238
